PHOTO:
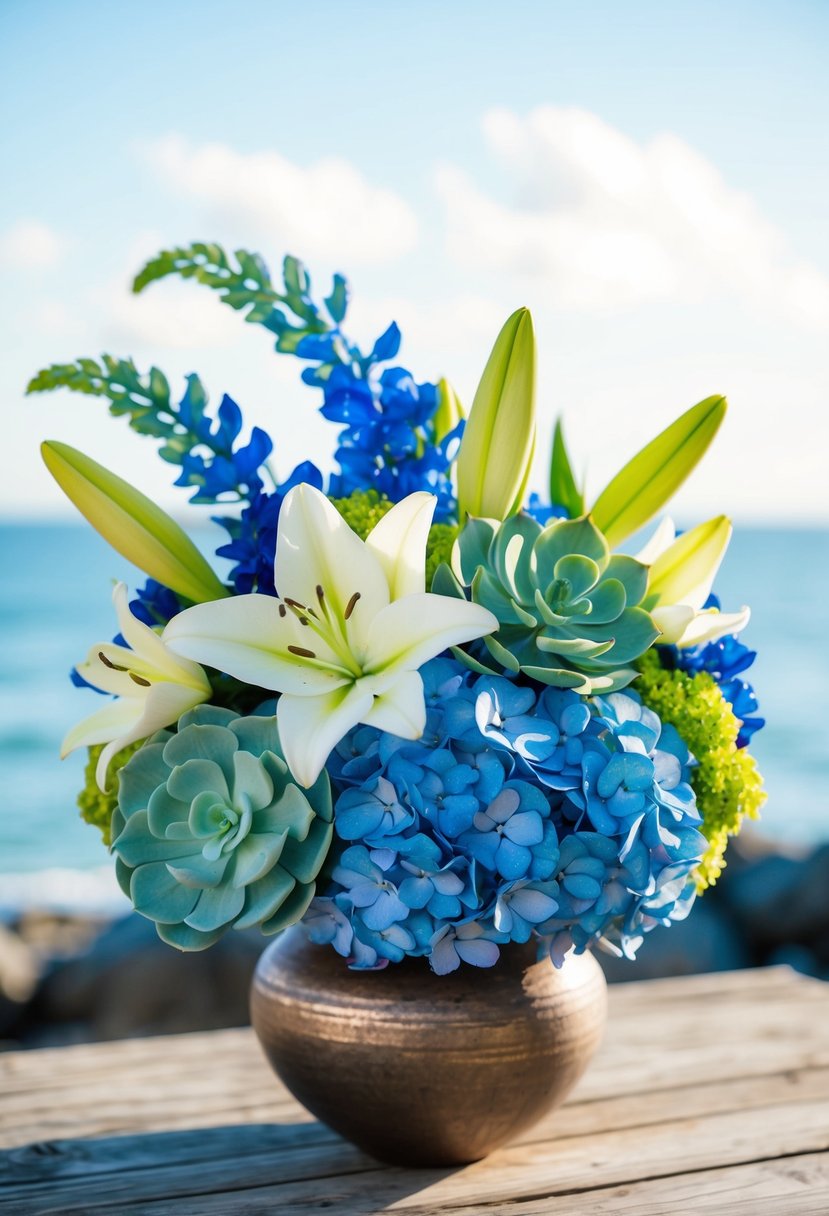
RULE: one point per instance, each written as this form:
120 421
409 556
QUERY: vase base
425 1070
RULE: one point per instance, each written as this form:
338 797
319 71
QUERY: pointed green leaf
497 446
138 529
684 573
563 489
654 475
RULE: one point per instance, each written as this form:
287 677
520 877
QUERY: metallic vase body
420 1069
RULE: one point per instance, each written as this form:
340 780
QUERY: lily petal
660 540
413 630
315 547
684 573
147 645
309 727
672 621
401 710
246 637
399 540
163 705
708 626
105 724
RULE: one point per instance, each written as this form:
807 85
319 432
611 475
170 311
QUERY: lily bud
498 444
135 527
449 412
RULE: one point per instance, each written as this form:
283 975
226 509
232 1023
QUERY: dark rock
781 900
130 983
704 942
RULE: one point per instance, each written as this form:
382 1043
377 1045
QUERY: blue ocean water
55 603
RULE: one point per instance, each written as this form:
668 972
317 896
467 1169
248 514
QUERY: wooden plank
292 1174
791 1186
747 987
714 1074
155 1085
82 1158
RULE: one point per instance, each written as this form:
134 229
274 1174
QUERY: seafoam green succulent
568 608
212 833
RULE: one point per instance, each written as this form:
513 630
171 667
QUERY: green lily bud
135 527
498 444
449 411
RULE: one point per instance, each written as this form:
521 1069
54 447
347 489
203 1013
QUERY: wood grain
711 1094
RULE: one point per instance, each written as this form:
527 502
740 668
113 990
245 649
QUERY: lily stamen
301 652
351 605
109 663
139 680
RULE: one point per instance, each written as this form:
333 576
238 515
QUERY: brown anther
294 603
320 593
283 611
302 652
303 620
138 679
109 663
351 605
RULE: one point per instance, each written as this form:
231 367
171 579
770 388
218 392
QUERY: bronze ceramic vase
421 1069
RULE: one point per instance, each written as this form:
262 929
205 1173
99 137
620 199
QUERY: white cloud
326 210
171 315
605 222
30 244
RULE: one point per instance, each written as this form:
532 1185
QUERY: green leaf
654 475
563 489
135 527
243 282
143 399
498 443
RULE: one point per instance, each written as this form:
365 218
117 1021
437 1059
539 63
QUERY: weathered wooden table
711 1094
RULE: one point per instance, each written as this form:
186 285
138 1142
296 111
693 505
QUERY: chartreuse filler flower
424 713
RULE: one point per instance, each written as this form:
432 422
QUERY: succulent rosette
568 609
488 725
212 833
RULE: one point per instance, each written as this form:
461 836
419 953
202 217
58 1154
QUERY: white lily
344 642
154 688
682 572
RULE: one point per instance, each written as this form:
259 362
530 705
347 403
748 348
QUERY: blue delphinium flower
542 511
389 441
725 660
518 815
211 462
252 544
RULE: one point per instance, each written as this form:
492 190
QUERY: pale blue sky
650 178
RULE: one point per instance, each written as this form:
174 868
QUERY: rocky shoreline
66 979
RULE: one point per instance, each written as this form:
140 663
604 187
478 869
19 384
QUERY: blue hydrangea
520 814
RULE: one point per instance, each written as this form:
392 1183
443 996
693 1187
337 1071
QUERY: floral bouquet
414 709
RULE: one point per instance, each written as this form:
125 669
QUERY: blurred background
650 179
